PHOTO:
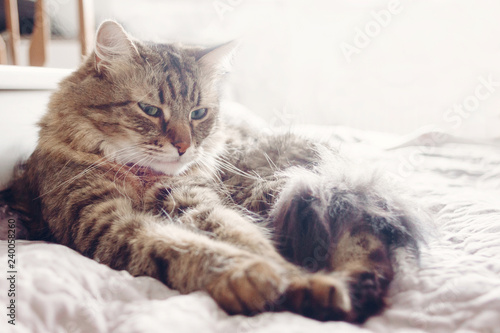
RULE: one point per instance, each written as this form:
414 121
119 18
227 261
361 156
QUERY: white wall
425 58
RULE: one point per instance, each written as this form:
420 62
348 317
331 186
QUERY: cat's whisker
140 163
167 215
270 161
90 168
221 159
127 172
256 174
231 168
109 157
203 164
115 183
135 154
228 166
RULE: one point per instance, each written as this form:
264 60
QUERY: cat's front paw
250 287
318 296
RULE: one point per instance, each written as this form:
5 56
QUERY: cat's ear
112 43
217 61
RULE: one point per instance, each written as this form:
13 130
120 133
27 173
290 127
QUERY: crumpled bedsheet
456 288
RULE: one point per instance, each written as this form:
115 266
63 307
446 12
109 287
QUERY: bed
456 287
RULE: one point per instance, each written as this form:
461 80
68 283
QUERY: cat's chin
169 168
159 167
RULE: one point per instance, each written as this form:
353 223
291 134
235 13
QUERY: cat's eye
198 114
150 110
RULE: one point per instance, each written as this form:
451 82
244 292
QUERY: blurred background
393 66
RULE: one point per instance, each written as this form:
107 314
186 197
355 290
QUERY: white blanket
456 288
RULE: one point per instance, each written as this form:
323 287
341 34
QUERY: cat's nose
182 147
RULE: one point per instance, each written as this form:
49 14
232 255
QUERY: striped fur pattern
127 172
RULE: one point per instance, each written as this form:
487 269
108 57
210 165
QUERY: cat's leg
203 210
321 297
114 234
318 296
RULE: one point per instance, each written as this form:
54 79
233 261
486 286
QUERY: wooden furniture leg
3 52
41 35
86 16
12 20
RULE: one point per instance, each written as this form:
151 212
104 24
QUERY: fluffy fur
199 205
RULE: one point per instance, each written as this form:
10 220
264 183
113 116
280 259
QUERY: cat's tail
344 219
314 210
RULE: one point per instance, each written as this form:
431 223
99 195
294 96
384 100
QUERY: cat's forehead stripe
193 91
180 77
181 84
175 61
171 88
161 96
184 87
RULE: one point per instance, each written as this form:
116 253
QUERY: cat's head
139 103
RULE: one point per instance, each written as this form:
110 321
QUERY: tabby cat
136 168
